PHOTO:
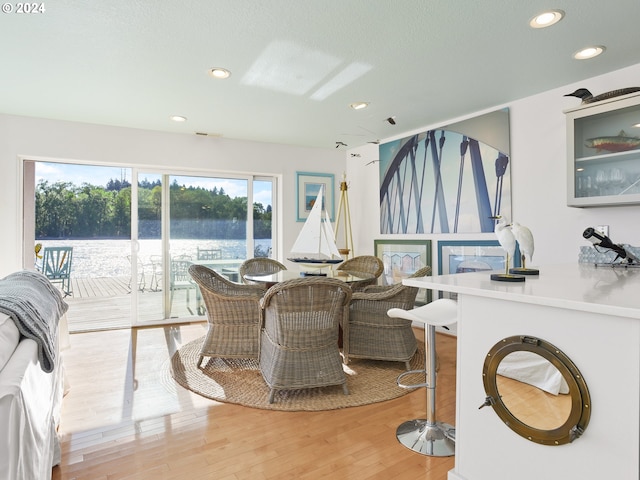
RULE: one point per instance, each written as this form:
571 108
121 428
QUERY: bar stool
428 437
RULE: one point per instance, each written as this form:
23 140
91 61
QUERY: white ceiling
297 64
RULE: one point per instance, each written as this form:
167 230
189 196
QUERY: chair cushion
9 338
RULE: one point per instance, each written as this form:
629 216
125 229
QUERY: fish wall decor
620 143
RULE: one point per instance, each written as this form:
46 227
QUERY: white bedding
534 370
30 403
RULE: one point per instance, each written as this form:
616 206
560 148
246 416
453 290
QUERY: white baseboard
452 475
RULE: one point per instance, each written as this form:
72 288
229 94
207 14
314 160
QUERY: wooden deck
105 303
99 287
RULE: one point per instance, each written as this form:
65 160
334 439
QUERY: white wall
538 178
47 139
538 172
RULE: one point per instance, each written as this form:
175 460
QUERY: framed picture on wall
307 187
460 256
401 259
405 168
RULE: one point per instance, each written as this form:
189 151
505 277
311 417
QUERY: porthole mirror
536 390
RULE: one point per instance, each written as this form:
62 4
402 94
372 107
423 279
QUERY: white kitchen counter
574 286
589 313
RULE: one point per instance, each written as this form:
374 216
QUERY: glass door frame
166 173
26 214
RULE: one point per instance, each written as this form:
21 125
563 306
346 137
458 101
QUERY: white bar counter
590 313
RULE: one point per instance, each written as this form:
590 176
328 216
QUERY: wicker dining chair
363 266
372 333
233 313
259 266
299 340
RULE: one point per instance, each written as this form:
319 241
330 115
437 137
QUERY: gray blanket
35 306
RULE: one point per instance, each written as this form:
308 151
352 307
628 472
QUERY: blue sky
100 175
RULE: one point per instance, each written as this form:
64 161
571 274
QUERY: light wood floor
105 303
534 406
123 419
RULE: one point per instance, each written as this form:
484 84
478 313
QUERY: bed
534 370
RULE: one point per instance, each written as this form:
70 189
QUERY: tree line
65 210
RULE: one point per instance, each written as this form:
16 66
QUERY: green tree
121 220
65 210
55 209
94 211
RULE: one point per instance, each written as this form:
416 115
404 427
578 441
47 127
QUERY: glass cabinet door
603 143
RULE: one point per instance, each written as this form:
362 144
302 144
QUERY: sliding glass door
135 232
148 246
208 225
86 210
195 219
263 202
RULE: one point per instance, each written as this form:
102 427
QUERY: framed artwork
402 258
460 256
447 180
307 187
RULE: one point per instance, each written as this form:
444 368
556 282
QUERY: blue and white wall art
447 180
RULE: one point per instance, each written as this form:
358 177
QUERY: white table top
283 275
606 290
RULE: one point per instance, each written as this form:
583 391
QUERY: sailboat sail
315 243
332 250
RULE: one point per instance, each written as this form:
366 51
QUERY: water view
109 258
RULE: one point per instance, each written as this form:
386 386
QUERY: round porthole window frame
580 412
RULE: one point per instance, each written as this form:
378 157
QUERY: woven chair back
259 266
365 264
305 313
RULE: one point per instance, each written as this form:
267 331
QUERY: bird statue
505 237
586 96
524 237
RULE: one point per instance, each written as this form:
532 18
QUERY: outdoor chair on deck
181 280
56 266
363 264
299 340
233 313
209 253
372 333
156 273
142 283
259 266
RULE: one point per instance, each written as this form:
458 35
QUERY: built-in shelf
598 174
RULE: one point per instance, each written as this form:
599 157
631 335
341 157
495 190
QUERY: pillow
9 338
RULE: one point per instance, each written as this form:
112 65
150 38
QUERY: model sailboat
315 245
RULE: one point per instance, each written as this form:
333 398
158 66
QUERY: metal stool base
434 440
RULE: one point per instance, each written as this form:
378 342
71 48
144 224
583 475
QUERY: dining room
236 369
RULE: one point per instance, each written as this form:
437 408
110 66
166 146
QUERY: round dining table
273 278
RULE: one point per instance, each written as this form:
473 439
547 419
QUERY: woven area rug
239 381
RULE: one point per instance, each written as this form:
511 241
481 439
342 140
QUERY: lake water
109 258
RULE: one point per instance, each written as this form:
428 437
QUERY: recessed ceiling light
546 19
359 105
178 118
217 72
589 52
